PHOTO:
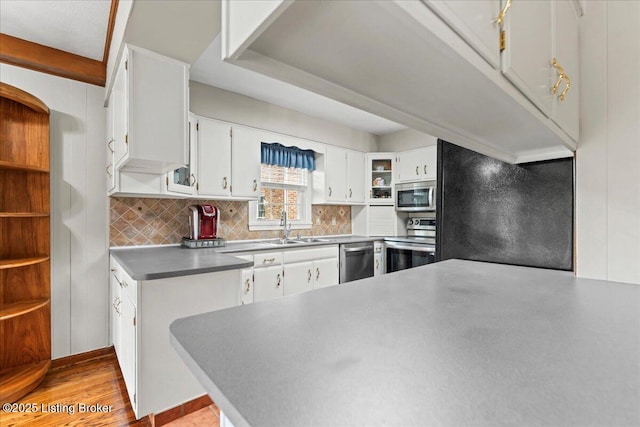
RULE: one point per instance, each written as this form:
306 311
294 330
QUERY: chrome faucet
283 222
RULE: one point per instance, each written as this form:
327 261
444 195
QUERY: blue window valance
288 157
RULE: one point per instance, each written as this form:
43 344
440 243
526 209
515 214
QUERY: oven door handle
412 248
358 249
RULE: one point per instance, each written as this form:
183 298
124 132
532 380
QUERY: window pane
281 175
274 200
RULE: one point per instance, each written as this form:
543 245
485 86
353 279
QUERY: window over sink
282 189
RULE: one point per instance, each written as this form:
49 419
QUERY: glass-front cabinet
379 176
183 180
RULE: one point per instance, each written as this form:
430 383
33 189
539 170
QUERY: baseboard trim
81 357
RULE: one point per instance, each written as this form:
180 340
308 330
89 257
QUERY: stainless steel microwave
416 196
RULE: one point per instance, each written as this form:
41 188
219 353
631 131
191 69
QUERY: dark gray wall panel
493 211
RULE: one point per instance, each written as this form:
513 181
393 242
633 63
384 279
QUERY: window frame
305 221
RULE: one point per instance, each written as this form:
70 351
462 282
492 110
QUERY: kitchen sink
314 240
284 242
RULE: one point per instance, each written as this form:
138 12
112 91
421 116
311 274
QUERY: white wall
608 155
221 104
403 140
79 255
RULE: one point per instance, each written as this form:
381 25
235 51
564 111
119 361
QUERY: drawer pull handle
278 281
503 12
377 264
109 170
330 191
255 185
417 170
110 146
248 283
425 169
317 273
116 304
268 260
224 183
194 180
309 276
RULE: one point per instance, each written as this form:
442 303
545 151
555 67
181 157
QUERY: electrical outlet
333 220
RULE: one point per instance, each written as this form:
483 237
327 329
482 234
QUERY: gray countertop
453 343
172 261
148 263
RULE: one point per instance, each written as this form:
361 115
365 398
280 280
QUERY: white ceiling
76 26
211 70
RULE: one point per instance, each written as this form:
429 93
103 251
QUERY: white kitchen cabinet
268 283
336 174
155 377
245 162
326 272
214 158
566 52
378 258
417 165
339 178
110 172
116 305
183 179
355 177
379 172
473 20
153 92
299 277
129 344
118 115
526 59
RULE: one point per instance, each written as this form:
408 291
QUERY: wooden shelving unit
25 272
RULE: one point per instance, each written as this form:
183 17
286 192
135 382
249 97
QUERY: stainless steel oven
416 197
401 255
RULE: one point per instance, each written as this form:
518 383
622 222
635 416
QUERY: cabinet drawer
311 254
129 287
265 259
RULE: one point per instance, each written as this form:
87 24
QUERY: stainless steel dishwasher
356 261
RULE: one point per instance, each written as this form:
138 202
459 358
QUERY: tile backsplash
142 221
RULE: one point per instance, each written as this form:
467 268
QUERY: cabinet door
214 158
128 343
377 265
110 168
429 166
336 174
472 20
526 60
183 180
246 286
408 166
566 53
120 113
268 283
245 162
326 273
355 177
116 309
299 277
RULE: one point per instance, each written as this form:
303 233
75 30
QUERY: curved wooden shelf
20 167
19 308
21 262
20 380
24 98
23 214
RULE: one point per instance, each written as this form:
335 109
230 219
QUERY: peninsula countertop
451 343
148 263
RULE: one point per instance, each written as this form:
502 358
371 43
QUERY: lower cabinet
378 258
268 283
299 277
326 272
155 376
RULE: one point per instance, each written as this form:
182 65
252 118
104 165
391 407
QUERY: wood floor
69 394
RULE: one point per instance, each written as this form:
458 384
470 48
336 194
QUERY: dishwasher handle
358 249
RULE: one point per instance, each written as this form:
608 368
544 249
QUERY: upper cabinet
339 178
417 165
149 112
214 158
450 69
245 161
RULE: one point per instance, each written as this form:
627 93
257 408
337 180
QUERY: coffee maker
204 222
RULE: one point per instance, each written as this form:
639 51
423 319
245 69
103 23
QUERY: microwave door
415 199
